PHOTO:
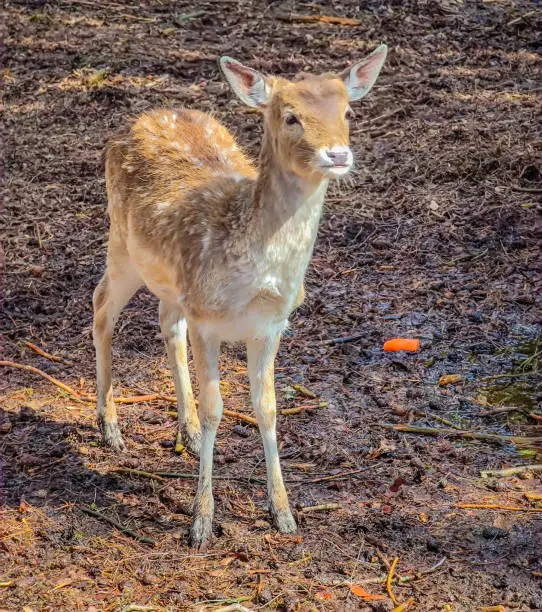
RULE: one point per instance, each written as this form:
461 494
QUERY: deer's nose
339 158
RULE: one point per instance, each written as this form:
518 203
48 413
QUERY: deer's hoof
188 438
111 436
283 520
200 532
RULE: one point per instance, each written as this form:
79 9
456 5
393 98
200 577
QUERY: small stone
262 525
433 545
36 271
26 413
381 243
265 596
476 317
242 431
498 485
147 579
167 443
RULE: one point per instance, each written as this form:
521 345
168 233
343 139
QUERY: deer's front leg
206 351
261 358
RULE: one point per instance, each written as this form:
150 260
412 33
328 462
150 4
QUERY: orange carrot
402 344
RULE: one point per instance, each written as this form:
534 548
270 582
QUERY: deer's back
167 154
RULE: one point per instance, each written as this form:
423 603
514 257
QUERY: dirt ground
433 237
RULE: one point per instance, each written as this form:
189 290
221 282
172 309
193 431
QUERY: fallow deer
223 244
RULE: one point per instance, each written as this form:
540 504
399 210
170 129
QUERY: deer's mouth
335 170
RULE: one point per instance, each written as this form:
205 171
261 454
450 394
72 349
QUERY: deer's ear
251 86
360 79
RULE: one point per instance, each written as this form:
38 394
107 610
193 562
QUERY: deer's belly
247 326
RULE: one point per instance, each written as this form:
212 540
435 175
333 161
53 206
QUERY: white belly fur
251 325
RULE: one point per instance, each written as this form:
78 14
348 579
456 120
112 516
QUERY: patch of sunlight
352 43
460 71
8 76
84 79
88 21
25 109
484 96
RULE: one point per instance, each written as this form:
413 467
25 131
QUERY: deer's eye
348 113
291 119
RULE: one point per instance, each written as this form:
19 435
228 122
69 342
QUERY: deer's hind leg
173 326
117 286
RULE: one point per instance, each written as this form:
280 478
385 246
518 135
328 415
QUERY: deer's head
306 121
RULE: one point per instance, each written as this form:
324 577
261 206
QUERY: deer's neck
285 202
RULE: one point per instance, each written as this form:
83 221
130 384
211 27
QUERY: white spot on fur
205 243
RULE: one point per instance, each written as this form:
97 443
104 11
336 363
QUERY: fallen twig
500 410
296 410
496 507
437 418
136 399
321 508
390 578
302 390
473 435
117 525
234 415
520 469
519 20
241 417
123 470
83 396
61 385
43 353
407 578
293 17
232 601
343 340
